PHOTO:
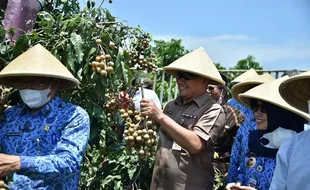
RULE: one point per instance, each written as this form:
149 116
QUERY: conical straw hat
268 92
197 62
246 75
37 61
250 83
296 91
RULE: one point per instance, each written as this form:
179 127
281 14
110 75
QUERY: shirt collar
199 100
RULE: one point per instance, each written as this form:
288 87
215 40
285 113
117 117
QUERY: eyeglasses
255 107
186 75
210 88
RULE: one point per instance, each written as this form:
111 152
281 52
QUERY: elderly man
291 171
43 140
188 126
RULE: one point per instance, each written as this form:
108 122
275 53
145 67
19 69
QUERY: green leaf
90 54
70 58
77 43
109 179
117 185
131 171
20 46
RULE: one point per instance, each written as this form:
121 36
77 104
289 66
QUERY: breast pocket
13 143
188 122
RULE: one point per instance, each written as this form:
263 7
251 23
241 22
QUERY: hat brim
173 71
246 101
242 87
296 91
268 92
63 82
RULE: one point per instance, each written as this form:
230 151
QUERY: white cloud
229 49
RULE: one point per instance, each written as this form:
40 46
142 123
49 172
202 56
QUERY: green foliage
168 51
219 66
243 64
248 63
70 35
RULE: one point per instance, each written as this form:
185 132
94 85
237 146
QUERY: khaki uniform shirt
174 168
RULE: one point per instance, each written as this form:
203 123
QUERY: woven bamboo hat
197 62
268 92
37 61
246 75
296 91
250 83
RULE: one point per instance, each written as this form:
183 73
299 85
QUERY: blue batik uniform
51 144
257 173
239 148
244 168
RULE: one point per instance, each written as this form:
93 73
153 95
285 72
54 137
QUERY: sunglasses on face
260 107
186 76
210 88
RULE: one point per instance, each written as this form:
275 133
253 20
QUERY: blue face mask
35 98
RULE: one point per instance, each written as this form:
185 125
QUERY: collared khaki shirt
175 168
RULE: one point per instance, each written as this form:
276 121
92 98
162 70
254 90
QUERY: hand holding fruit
148 108
123 100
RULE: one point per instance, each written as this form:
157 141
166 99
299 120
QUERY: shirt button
259 168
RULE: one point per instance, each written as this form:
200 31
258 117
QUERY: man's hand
148 108
9 164
124 101
237 186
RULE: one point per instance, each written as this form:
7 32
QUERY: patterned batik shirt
240 145
252 171
51 144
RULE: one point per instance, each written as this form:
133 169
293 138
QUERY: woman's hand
237 186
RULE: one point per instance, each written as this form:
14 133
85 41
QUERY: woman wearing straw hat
247 112
282 122
44 139
188 126
292 171
239 149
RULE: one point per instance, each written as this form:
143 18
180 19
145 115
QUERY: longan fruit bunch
103 63
140 135
138 55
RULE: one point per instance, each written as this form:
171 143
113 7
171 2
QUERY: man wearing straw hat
188 126
292 171
44 139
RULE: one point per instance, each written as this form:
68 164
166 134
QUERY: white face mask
278 136
35 98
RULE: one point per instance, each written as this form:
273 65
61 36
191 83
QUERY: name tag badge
13 134
175 146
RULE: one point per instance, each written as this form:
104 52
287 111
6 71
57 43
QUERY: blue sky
276 32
